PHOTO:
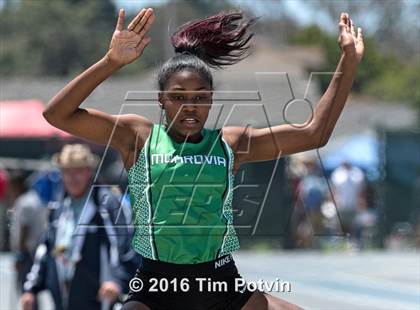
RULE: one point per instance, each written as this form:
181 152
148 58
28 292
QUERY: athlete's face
187 101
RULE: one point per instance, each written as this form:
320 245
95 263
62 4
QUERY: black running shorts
214 285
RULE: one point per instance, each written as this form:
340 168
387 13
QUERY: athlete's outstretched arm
258 144
63 110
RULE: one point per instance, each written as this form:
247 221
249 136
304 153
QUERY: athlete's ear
160 100
211 99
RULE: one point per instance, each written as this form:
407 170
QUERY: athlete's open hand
128 44
350 42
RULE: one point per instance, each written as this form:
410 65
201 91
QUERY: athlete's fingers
348 21
140 25
342 25
142 45
136 19
149 23
120 21
143 20
359 34
352 28
147 26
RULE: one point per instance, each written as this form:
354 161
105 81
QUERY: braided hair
213 42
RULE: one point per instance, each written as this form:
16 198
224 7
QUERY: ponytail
218 40
214 41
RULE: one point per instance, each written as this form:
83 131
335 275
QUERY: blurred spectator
47 184
312 191
3 183
3 210
27 224
401 237
365 227
417 233
348 183
115 174
80 259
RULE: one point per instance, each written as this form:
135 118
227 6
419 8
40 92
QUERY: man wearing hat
80 260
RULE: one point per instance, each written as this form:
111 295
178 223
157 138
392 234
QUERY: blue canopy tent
361 150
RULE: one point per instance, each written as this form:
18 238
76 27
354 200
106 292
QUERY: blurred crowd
72 237
340 208
338 204
68 236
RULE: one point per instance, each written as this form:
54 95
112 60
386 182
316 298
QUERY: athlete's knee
134 305
256 301
276 303
265 301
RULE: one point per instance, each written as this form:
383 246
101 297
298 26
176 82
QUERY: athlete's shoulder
140 125
135 121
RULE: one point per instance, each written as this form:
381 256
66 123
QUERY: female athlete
181 173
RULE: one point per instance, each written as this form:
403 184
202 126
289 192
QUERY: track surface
374 280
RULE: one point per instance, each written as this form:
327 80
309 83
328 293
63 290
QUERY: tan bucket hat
75 156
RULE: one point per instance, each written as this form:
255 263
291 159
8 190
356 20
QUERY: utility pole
171 17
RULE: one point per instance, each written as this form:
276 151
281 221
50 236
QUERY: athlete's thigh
134 305
265 301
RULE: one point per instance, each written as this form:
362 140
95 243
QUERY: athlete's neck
180 138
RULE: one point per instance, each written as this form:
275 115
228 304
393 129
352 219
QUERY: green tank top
181 194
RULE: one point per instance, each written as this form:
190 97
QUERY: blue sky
292 6
297 9
302 13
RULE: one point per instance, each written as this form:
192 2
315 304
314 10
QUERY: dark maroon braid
215 41
219 40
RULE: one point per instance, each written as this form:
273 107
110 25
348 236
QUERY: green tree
54 37
393 25
380 74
